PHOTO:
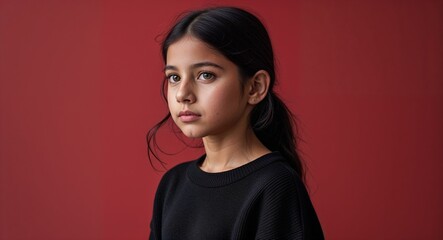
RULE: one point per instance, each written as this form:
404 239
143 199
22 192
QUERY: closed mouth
187 113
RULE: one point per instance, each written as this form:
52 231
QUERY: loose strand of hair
153 147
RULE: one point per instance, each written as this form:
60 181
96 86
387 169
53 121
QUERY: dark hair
241 37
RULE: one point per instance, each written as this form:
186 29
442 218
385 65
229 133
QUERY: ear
258 87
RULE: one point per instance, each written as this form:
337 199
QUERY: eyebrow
195 65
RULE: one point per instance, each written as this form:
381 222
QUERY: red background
80 87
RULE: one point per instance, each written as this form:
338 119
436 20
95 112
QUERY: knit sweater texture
263 199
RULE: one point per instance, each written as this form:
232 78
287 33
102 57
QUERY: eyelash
212 77
169 78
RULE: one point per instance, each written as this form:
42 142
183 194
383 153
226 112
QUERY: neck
228 152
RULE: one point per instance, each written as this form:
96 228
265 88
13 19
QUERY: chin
192 135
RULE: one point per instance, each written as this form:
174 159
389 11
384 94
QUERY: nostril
185 94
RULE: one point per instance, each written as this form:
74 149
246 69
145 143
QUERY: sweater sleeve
155 226
167 185
157 213
286 211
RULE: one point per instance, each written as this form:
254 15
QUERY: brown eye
173 78
206 76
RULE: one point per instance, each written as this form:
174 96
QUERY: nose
185 92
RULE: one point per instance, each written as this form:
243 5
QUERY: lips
188 116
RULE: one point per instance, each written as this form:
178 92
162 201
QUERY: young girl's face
205 95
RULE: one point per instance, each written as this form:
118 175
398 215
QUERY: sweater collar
211 180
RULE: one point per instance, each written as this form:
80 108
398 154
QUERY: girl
219 68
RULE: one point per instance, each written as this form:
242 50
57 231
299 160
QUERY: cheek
223 99
170 97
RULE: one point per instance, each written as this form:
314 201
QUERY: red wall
80 88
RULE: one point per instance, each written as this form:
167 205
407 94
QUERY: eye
172 78
206 76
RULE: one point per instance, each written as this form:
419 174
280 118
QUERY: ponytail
274 125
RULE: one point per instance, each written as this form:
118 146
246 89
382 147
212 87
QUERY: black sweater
264 199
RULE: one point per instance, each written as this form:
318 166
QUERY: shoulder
280 185
279 174
176 170
176 173
274 178
285 205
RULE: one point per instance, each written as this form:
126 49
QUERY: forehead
189 50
